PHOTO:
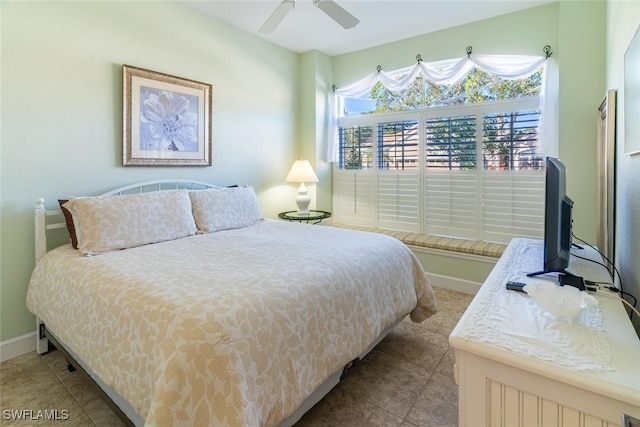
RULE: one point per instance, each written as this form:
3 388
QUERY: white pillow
118 222
225 208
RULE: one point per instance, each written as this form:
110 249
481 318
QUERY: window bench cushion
452 244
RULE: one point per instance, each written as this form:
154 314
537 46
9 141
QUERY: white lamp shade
301 171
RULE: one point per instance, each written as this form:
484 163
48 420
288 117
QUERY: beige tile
417 345
388 382
451 305
82 391
344 406
32 393
100 413
437 406
445 367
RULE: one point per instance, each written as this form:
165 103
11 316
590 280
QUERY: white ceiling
381 21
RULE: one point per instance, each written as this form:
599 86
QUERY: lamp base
303 200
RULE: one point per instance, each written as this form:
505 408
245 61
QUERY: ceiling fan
331 8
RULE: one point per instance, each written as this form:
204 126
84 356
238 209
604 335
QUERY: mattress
233 328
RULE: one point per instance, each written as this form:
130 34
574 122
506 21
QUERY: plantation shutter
355 201
355 179
513 182
451 185
466 171
451 204
513 205
398 178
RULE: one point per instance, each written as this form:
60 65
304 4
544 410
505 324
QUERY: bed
187 307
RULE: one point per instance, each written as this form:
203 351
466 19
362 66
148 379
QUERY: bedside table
313 215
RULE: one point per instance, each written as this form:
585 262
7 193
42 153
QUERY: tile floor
407 380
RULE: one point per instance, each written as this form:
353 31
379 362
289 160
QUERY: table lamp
302 172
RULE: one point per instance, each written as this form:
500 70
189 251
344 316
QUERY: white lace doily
513 320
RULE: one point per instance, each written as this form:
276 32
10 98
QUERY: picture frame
632 96
166 119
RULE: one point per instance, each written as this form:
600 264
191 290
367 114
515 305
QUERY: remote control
515 286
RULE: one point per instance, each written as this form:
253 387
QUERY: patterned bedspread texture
234 328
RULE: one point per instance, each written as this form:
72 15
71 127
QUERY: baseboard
17 346
454 284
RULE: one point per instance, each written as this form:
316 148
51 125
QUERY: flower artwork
167 120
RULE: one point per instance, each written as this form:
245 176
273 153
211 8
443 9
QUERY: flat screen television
557 219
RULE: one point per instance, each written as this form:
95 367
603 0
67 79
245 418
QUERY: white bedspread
232 328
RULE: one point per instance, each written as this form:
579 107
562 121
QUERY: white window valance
510 67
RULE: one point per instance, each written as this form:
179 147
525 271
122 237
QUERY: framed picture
166 120
632 96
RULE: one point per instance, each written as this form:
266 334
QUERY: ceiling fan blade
277 16
337 13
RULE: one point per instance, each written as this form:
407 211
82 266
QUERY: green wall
520 33
313 95
61 121
582 55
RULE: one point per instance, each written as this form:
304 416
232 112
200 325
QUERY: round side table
313 216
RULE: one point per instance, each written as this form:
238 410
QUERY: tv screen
557 219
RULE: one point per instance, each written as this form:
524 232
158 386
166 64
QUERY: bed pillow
225 209
68 219
119 222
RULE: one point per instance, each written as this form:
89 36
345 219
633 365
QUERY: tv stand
501 385
560 270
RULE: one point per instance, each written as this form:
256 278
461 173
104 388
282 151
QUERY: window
451 142
510 141
464 165
356 147
398 147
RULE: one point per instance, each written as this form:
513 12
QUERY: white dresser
518 367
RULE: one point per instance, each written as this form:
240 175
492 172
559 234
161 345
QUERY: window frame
479 173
